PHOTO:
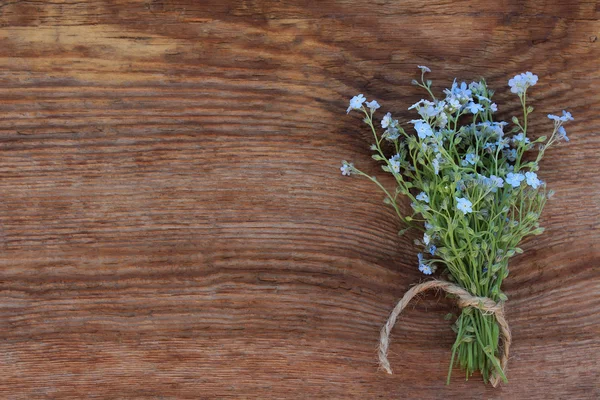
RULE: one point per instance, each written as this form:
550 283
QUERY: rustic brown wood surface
173 223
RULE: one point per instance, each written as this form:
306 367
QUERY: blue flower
423 197
521 138
491 147
395 163
496 182
562 134
424 268
386 120
426 239
346 168
470 159
566 116
356 103
436 164
521 82
463 204
474 108
511 154
432 249
423 68
554 117
514 179
532 179
423 129
373 105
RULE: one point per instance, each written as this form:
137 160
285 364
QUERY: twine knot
464 299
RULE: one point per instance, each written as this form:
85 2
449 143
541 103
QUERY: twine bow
465 299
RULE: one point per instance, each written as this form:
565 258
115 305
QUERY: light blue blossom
493 107
423 197
476 87
470 159
489 146
514 179
423 128
474 108
567 116
436 164
426 239
521 82
423 68
432 249
346 168
373 105
424 268
511 154
463 204
395 163
452 104
356 103
532 180
386 120
553 117
442 118
460 93
496 182
417 104
562 134
520 138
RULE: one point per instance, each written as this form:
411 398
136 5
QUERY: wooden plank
173 223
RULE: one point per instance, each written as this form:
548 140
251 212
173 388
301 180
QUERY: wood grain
173 224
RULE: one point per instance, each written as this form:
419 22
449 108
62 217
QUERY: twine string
464 299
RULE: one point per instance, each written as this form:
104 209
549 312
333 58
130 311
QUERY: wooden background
173 223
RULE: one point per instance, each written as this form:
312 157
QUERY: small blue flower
562 134
532 179
426 239
386 120
521 82
436 165
554 117
424 268
521 138
346 168
395 163
511 154
474 108
496 182
423 68
566 116
470 159
372 105
463 204
494 107
514 179
423 197
356 103
491 147
423 129
432 249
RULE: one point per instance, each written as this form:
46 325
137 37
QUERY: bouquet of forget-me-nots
475 193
